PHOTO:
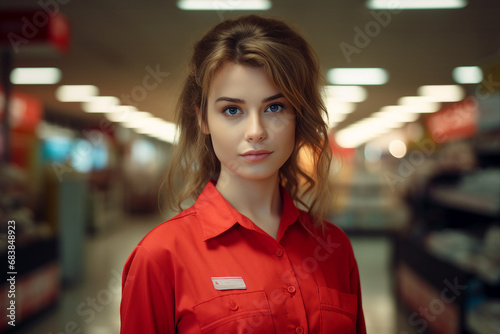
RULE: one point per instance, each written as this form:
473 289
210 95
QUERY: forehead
240 81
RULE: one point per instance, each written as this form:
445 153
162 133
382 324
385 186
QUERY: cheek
217 133
281 124
223 142
286 132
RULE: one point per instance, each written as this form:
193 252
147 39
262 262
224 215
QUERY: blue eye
231 111
275 108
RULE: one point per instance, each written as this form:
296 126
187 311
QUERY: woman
244 258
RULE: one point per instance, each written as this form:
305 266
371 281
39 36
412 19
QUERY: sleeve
147 304
356 290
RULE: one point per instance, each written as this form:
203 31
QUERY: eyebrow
233 100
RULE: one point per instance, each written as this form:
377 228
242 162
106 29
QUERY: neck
259 200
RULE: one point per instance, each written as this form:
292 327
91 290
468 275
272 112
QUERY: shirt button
299 330
279 252
291 289
233 306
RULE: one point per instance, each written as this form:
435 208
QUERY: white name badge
228 283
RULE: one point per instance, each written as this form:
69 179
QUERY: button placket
290 290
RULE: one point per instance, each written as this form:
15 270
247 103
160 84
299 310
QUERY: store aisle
373 255
93 305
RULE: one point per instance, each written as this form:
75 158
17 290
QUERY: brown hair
291 65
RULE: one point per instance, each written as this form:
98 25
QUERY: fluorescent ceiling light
76 93
337 110
467 74
419 104
224 5
442 93
397 114
120 113
357 76
376 124
396 109
382 121
364 131
100 104
335 119
168 133
339 107
159 128
415 4
35 75
346 93
137 119
353 137
147 125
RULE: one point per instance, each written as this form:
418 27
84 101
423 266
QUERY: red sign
25 112
34 29
453 122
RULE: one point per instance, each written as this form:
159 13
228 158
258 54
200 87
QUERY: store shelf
466 253
425 277
485 319
421 279
36 283
453 198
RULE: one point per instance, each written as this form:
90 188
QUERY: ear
201 124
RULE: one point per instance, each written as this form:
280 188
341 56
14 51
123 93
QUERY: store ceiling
114 42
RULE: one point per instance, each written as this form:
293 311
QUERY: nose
256 132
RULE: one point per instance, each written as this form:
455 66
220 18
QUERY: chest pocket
246 312
338 311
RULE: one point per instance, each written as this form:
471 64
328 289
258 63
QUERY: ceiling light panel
35 76
224 5
419 104
76 93
120 113
442 93
100 104
415 4
346 93
357 76
139 119
339 107
160 129
397 114
467 74
353 137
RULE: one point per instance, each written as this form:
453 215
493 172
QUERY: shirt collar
218 216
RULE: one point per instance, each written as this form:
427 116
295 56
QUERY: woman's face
251 124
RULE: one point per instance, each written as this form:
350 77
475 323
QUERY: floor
92 307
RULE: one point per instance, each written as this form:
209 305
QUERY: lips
256 155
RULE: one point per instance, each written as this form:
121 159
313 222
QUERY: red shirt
212 270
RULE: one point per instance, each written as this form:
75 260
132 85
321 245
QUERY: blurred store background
86 103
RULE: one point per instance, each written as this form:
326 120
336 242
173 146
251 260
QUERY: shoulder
158 251
178 230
